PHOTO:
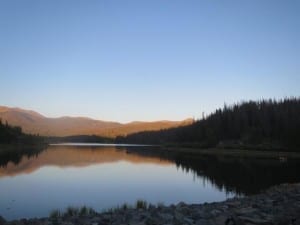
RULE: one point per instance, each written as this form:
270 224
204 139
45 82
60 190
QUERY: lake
105 176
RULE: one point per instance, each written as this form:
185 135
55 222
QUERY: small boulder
2 221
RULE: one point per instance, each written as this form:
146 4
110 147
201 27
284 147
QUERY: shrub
141 204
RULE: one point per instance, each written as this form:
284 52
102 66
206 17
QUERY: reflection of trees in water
232 174
16 154
242 176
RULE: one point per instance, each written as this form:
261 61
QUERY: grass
73 211
160 205
141 204
88 211
55 214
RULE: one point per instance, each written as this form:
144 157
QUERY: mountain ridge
33 122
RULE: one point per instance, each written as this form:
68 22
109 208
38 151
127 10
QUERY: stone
204 214
165 216
202 222
215 212
246 211
220 220
106 218
276 206
137 223
254 220
67 223
233 203
2 221
181 204
152 221
178 216
188 221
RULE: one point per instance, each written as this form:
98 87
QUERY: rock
224 207
166 217
254 220
137 223
233 203
66 223
203 215
277 206
94 223
178 216
246 211
188 221
181 204
152 221
255 205
203 222
220 220
101 223
46 222
215 212
2 221
106 218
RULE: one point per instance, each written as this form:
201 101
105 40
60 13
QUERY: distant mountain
35 123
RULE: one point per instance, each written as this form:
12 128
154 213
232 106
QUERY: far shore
274 154
282 155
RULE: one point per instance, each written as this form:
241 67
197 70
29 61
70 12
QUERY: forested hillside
265 124
14 135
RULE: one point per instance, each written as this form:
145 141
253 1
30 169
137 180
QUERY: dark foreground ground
278 205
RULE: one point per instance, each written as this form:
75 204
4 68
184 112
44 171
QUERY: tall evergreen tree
264 124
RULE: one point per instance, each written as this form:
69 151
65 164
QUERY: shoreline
234 152
277 205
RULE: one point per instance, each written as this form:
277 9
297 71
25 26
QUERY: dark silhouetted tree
265 124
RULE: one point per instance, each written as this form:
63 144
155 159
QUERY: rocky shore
279 205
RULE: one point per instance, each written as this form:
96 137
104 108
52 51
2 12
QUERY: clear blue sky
146 60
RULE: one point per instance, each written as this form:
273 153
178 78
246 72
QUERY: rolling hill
35 123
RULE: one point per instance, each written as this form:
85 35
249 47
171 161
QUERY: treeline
265 124
14 135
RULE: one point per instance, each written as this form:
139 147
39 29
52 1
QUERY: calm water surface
106 176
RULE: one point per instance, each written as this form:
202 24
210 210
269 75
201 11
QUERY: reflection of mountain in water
239 175
71 156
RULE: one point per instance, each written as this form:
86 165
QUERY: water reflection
97 177
232 174
73 156
102 177
241 175
15 154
